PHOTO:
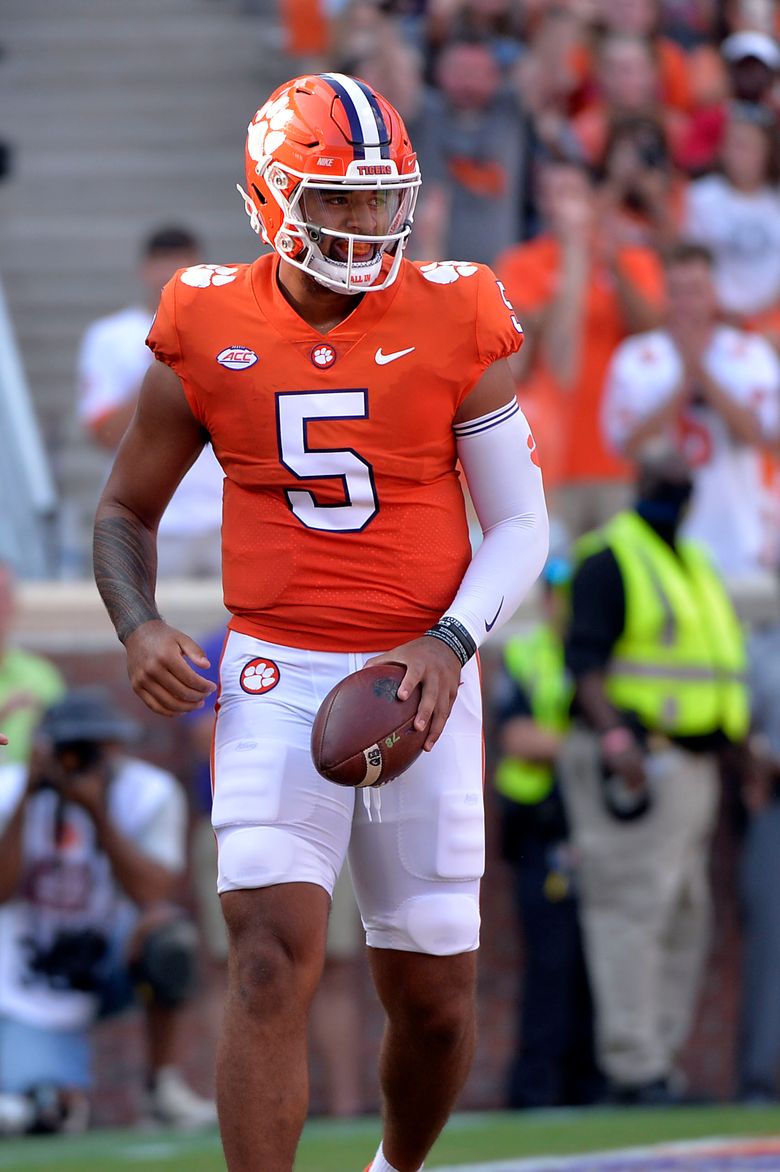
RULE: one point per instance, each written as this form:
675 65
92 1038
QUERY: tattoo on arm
125 561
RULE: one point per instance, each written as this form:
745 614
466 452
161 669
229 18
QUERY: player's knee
275 961
165 970
271 979
444 1019
441 924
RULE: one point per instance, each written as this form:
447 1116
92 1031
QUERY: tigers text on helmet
332 181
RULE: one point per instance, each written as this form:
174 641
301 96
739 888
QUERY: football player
340 386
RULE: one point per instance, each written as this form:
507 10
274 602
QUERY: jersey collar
274 306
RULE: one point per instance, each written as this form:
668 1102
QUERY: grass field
332 1146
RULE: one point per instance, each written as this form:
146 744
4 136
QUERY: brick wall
119 1050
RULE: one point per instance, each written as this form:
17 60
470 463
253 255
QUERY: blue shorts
31 1055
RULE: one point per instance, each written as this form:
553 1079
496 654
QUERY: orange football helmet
332 181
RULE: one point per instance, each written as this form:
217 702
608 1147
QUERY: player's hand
691 346
3 739
428 662
42 766
159 664
574 219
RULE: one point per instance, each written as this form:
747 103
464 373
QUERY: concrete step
124 100
41 10
163 205
175 129
73 286
101 270
88 77
113 21
109 47
90 163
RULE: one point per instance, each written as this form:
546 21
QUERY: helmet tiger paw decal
444 272
201 276
266 131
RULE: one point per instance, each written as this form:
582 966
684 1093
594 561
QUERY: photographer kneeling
92 847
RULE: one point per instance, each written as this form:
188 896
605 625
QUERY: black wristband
455 635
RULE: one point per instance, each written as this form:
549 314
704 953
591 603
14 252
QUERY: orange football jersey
344 525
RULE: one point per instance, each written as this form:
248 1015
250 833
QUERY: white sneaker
174 1103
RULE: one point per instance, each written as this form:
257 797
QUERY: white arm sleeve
497 453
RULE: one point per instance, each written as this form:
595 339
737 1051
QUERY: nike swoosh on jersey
490 625
382 359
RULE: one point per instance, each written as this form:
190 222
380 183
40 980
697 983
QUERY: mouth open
363 252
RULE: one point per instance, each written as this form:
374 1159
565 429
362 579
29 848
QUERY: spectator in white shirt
736 214
112 363
715 391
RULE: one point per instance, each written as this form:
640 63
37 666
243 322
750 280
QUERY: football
362 733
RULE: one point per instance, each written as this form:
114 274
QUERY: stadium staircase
121 117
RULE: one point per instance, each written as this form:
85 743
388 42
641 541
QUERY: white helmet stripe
365 114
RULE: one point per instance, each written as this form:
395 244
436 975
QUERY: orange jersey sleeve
499 332
163 339
344 524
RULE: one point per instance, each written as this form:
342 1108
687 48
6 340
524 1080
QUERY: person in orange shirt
341 386
580 294
305 27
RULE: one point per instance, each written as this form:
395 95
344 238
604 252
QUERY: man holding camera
92 846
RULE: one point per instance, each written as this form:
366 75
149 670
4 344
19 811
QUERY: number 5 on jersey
294 411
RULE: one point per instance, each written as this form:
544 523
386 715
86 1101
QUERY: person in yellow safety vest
658 660
553 1063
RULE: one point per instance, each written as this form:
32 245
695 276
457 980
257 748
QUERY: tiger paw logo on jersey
201 276
323 356
237 358
259 676
444 272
